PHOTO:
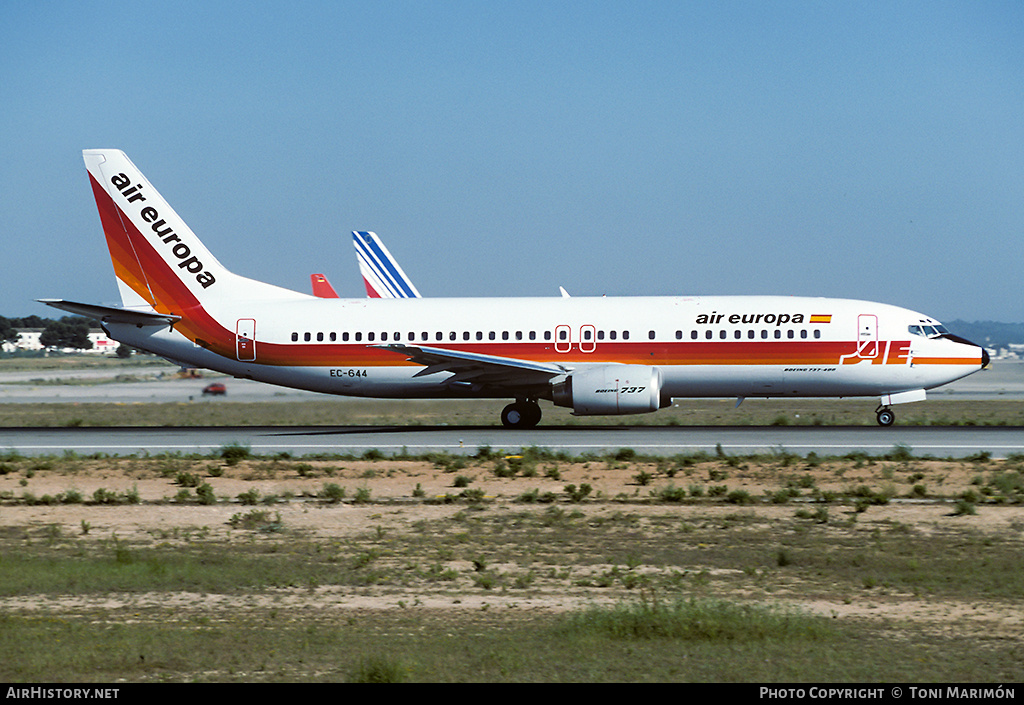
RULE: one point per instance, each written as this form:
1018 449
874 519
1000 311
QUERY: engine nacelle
610 389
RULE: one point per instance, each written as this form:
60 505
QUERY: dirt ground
402 494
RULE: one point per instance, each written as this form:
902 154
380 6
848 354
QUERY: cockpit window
928 330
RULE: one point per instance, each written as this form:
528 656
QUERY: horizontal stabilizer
113 314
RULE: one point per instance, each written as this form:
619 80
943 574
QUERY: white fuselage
704 346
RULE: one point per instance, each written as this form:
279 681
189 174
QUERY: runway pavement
575 440
1005 380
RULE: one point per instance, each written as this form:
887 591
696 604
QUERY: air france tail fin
382 275
159 262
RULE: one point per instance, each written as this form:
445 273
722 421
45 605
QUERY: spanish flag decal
821 318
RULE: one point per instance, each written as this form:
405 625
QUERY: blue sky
869 150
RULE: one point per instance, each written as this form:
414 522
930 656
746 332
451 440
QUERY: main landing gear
885 416
522 413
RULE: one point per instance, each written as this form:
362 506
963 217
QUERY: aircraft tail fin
322 288
382 275
158 261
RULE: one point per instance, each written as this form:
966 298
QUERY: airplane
594 355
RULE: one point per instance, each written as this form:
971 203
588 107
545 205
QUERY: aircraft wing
477 369
113 314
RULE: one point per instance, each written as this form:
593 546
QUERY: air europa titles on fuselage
189 262
778 319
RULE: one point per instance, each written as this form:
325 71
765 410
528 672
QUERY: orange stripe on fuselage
947 361
792 354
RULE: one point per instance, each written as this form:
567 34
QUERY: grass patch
463 646
258 597
698 620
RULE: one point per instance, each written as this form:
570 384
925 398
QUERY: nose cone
964 341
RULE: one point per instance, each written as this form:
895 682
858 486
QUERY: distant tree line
64 332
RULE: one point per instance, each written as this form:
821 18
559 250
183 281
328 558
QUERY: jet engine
610 389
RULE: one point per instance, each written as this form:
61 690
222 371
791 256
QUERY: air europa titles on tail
133 193
594 355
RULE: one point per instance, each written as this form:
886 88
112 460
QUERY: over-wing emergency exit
594 355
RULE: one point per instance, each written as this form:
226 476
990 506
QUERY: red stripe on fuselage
794 353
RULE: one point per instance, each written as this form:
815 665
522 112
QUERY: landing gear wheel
885 417
521 414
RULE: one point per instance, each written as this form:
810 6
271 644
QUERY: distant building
28 339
